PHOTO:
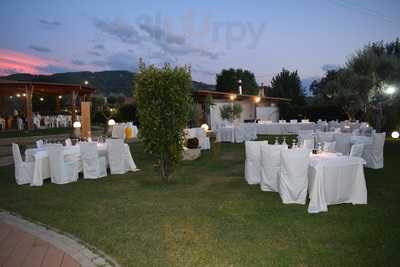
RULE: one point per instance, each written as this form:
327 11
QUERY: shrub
163 97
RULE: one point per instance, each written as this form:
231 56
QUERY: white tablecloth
283 128
237 134
41 159
359 139
335 179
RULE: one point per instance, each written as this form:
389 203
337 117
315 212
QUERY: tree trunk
379 118
164 168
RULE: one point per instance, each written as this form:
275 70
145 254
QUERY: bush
192 143
163 97
231 112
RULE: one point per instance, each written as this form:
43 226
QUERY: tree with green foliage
163 98
227 81
359 87
287 84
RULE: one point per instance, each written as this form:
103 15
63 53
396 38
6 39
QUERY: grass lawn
211 217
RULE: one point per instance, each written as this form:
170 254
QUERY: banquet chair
23 170
329 147
39 143
93 165
293 181
343 143
119 159
323 137
305 134
357 150
68 142
270 166
308 144
62 171
252 167
373 153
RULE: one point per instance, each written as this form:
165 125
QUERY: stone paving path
26 244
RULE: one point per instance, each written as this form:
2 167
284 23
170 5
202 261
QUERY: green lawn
211 217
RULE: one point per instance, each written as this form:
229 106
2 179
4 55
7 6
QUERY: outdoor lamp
257 99
77 129
77 124
395 135
390 90
204 127
111 122
18 95
232 97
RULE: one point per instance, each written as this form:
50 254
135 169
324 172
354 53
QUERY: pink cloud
17 62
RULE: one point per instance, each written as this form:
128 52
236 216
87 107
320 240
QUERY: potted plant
191 151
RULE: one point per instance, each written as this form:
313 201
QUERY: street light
390 90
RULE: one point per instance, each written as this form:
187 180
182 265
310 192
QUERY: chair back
39 143
16 154
88 150
330 147
343 143
308 144
271 155
253 149
68 142
294 169
378 140
116 156
56 161
357 150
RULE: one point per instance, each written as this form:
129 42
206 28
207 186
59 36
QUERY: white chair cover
330 147
305 134
23 170
61 171
68 142
343 143
357 150
270 166
252 169
373 153
93 165
39 143
119 157
308 144
325 137
293 180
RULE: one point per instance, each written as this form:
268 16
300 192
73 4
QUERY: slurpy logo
204 28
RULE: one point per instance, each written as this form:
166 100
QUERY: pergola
27 89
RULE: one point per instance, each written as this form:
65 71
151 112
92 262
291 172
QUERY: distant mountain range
105 82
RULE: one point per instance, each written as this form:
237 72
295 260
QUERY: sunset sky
310 36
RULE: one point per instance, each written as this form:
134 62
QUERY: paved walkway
23 243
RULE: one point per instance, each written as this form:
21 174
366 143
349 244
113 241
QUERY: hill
105 82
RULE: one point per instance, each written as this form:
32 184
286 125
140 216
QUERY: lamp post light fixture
77 129
60 96
240 86
86 82
390 90
395 135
